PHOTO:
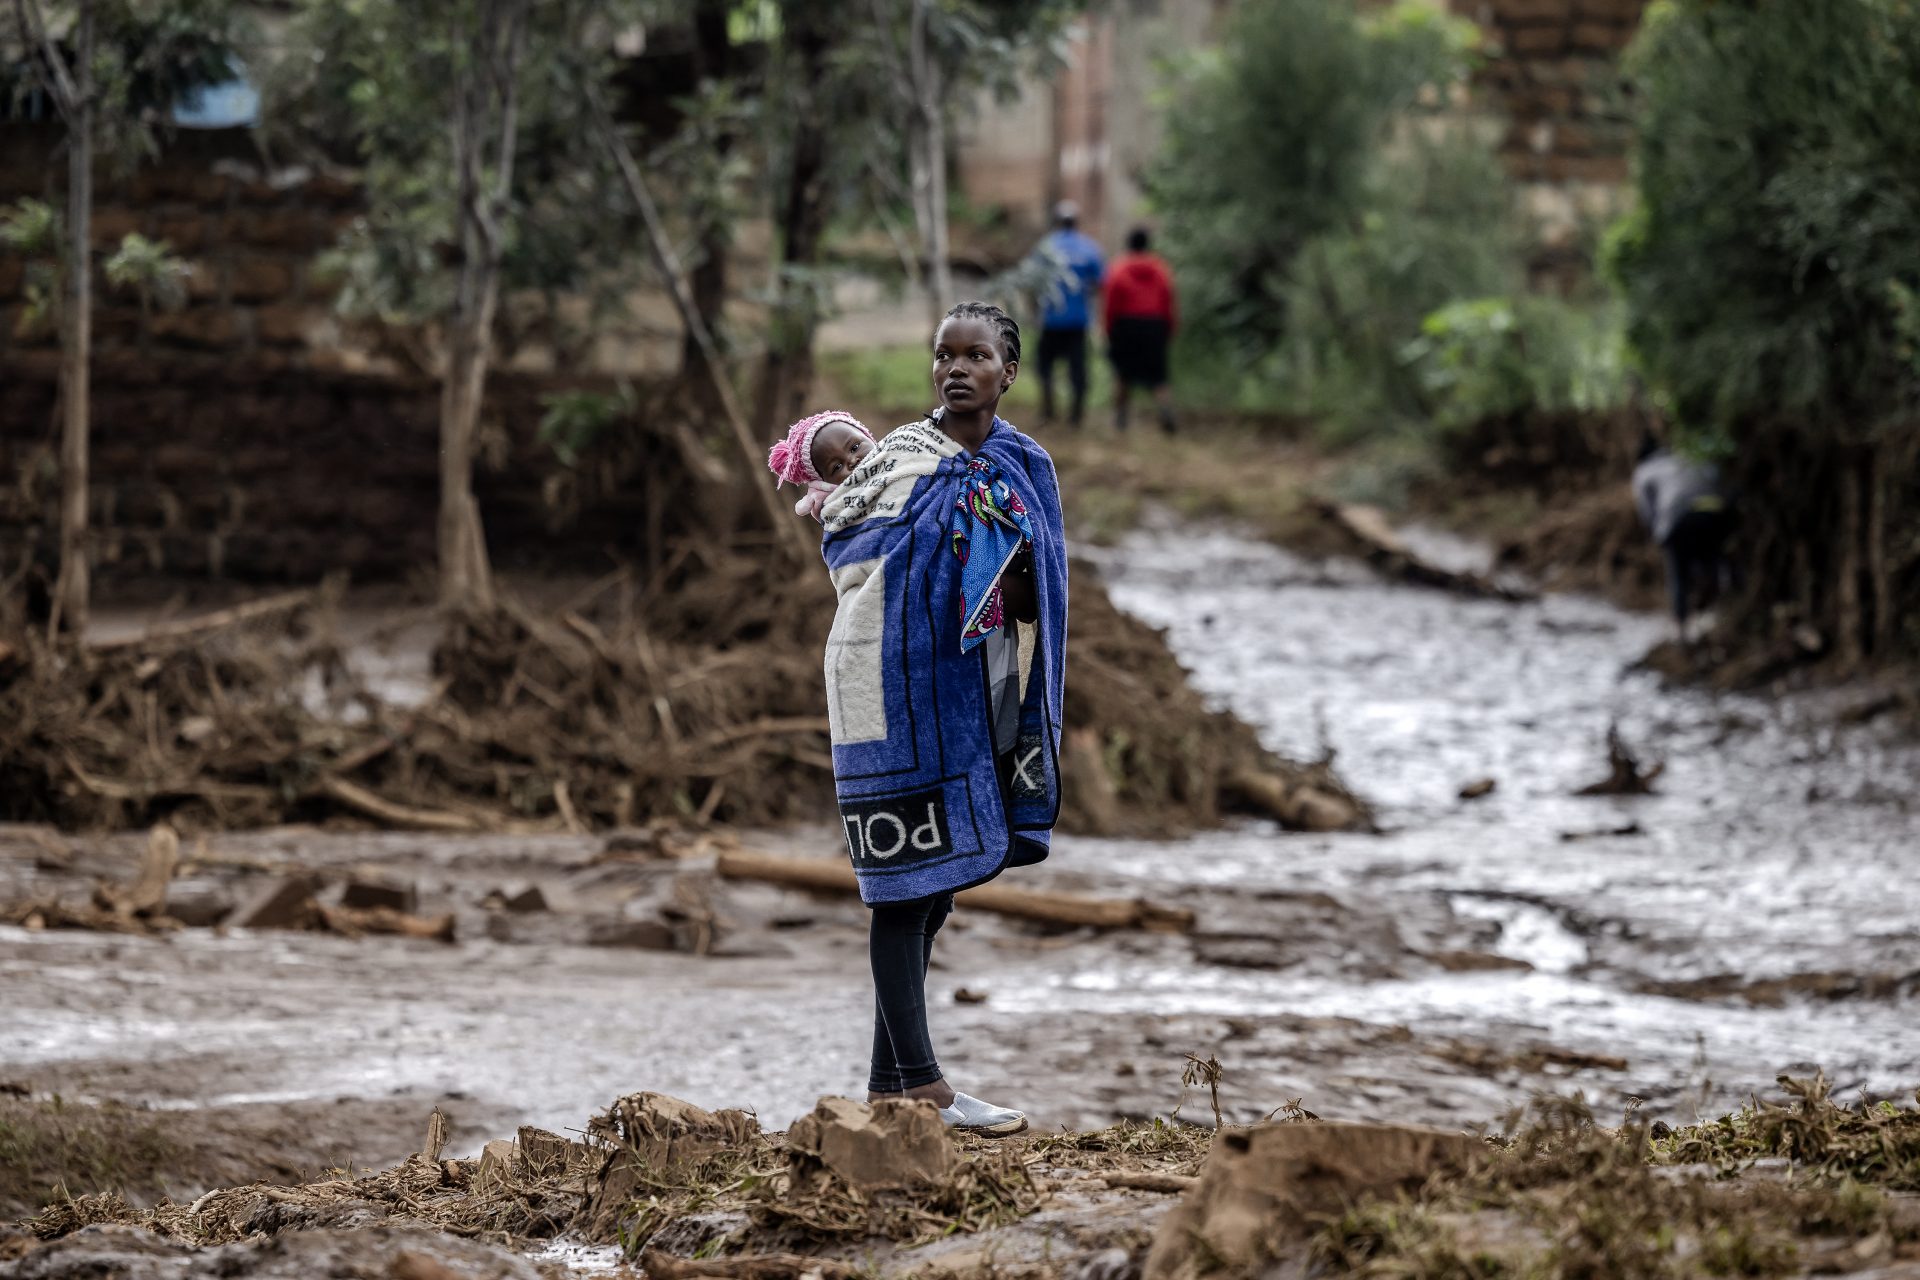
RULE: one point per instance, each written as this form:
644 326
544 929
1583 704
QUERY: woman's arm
1017 590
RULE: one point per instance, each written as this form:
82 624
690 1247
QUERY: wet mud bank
1668 953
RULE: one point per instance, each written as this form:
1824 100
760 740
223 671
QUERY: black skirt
1137 346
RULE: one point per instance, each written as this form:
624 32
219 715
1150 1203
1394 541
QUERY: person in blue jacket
1076 268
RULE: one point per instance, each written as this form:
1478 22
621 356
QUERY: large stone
1265 1190
199 903
286 902
367 894
890 1144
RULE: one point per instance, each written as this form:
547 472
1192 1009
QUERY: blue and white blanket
907 536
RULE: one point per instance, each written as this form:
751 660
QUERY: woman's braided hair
1004 327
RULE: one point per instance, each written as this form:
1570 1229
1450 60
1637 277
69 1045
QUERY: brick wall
248 435
250 236
1553 71
206 466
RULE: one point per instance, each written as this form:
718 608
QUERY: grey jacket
1666 487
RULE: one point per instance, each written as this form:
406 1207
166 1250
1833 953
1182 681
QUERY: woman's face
837 450
969 372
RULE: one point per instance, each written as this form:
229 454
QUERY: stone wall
249 234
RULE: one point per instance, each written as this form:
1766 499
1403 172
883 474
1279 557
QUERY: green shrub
1503 357
1436 227
1769 265
1270 142
1770 273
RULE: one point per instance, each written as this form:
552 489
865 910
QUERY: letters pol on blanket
915 539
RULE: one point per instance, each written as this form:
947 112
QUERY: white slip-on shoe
970 1115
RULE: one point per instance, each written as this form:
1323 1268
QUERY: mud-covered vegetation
1779 1188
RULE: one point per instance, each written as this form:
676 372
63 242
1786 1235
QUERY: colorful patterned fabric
990 526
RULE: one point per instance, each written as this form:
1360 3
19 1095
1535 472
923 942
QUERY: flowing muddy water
1442 971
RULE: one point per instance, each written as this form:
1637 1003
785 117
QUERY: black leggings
901 946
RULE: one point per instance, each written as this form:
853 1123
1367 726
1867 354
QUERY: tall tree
112 69
72 90
482 172
488 42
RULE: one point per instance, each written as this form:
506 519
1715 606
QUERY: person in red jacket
1140 315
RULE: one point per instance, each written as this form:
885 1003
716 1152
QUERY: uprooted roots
702 701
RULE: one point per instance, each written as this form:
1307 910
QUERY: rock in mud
365 895
1265 1189
896 1143
199 903
645 935
287 902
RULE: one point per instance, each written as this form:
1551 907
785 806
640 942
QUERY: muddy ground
1672 952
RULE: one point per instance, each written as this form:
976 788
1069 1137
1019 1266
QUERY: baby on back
819 453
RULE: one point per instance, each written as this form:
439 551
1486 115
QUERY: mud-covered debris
147 895
285 902
522 901
1476 961
1067 910
363 894
1626 776
496 1162
199 903
388 1252
642 935
658 1143
351 923
966 995
1478 787
1294 801
1265 1189
892 1144
1369 530
660 1265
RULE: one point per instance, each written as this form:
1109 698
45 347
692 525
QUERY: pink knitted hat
792 458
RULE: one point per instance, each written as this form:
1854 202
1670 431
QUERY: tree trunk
1848 625
466 578
713 52
76 339
786 376
929 158
485 115
1878 571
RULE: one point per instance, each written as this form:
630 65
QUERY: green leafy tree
1770 270
111 69
482 172
1274 137
869 100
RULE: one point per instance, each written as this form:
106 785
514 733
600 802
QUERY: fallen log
1300 806
824 875
251 611
399 815
355 922
1388 552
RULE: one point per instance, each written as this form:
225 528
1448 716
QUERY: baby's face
837 450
